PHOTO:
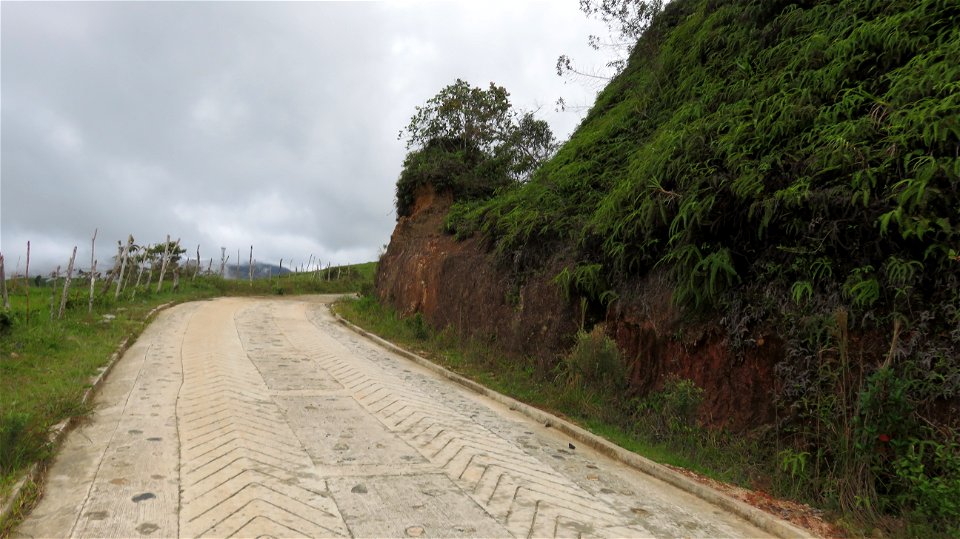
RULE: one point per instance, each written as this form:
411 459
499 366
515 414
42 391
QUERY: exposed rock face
459 284
739 386
407 275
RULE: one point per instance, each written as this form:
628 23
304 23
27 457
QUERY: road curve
245 417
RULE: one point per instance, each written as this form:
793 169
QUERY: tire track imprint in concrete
116 474
244 473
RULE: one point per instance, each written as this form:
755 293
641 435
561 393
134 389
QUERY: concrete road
266 418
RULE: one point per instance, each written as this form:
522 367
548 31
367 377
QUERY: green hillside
788 165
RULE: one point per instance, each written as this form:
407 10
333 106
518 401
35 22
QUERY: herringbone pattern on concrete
244 473
528 498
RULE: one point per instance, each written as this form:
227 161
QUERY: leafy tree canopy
477 117
172 248
472 141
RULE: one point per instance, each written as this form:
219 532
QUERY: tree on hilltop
472 141
476 117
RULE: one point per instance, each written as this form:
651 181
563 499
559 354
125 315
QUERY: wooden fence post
129 275
198 263
66 283
163 263
141 261
93 268
113 271
136 285
53 295
250 267
28 282
176 273
3 286
123 265
166 260
153 260
93 279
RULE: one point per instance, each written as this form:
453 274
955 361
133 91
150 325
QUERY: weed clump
418 326
21 441
6 322
670 414
594 362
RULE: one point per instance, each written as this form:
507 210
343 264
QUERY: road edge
57 432
757 517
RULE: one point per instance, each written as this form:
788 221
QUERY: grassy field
46 365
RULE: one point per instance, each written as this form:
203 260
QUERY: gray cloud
230 124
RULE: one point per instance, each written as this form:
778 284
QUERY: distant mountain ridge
231 271
260 270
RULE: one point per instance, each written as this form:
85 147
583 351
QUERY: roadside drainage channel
58 431
757 517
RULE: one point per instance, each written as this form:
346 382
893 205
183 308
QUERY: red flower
884 438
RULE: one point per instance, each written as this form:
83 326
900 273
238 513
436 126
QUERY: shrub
421 331
367 289
671 412
928 477
595 362
446 165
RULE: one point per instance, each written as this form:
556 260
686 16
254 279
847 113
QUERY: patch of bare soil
798 514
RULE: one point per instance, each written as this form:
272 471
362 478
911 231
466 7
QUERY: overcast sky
234 123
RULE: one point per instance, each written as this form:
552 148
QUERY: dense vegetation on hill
789 165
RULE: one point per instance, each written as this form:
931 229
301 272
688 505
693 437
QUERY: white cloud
413 49
66 138
217 116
